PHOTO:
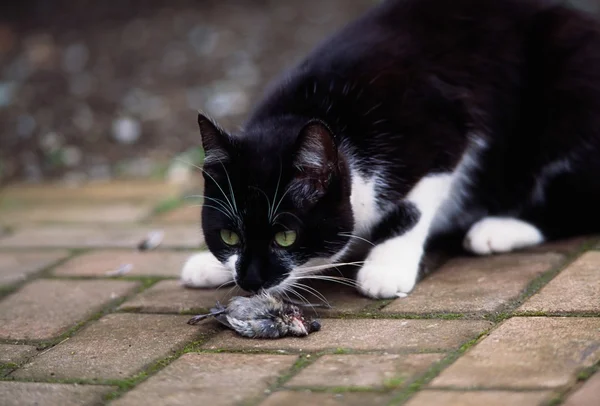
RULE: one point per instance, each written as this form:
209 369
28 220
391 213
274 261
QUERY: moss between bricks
7 368
126 385
107 309
434 371
6 290
582 376
338 389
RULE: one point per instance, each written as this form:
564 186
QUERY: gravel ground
96 90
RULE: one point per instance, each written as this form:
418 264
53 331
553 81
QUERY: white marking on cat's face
501 234
203 270
231 263
392 267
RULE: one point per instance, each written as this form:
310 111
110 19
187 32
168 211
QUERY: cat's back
407 38
407 28
418 29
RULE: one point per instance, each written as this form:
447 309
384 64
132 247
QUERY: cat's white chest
363 198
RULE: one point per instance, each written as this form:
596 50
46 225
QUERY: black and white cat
423 117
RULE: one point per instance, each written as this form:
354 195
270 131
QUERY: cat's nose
250 278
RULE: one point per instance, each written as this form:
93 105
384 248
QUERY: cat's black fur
405 91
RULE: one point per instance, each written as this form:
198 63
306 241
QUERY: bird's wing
222 318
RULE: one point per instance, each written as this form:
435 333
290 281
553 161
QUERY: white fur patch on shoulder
501 234
203 270
392 267
452 212
363 198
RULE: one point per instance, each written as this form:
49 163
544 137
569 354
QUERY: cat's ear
315 162
215 141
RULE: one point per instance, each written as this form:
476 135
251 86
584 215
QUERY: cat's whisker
327 266
288 213
266 197
281 200
213 179
337 279
302 298
357 237
312 291
342 281
228 293
219 201
224 284
271 210
232 194
218 209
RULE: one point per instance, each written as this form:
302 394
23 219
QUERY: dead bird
262 316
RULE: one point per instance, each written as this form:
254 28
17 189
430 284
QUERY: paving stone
565 246
44 309
528 352
101 237
107 213
488 398
364 334
575 289
210 379
186 214
51 394
587 395
12 353
361 370
475 284
286 398
105 262
171 297
16 266
114 347
94 192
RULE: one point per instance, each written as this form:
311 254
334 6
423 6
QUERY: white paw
501 234
390 270
203 270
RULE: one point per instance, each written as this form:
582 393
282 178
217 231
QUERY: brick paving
587 395
576 289
488 398
51 394
18 266
518 329
105 263
211 379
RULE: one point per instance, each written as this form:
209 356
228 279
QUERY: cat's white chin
203 270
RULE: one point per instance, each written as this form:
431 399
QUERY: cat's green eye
229 237
285 238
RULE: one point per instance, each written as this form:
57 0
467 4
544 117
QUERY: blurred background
98 90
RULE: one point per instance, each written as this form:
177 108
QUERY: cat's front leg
392 267
203 270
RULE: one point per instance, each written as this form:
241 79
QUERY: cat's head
276 196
